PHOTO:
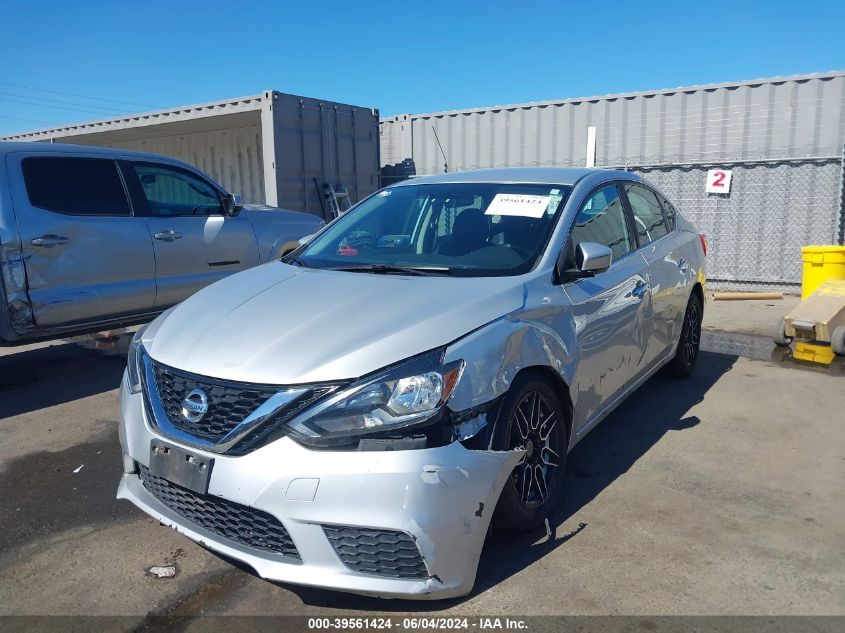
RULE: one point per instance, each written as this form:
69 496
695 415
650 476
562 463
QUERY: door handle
168 236
640 289
48 241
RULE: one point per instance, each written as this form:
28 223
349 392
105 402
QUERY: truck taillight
703 239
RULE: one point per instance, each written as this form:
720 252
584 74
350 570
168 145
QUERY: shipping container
789 117
273 148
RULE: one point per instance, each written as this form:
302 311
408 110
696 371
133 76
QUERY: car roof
8 147
521 175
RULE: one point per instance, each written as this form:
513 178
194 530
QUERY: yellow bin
820 264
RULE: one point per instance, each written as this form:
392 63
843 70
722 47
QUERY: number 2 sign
718 181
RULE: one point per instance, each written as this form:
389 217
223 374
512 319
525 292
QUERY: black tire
837 341
531 415
686 356
780 338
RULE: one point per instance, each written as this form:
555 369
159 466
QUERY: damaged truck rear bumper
402 524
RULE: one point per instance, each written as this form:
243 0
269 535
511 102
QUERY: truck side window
172 192
75 186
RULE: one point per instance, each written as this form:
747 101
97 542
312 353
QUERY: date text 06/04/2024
417 623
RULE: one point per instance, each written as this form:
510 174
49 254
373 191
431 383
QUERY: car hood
280 324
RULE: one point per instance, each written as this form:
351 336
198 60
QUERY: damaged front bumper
402 524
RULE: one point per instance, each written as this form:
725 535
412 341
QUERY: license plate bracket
180 466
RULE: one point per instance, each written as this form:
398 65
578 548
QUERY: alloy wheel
535 428
693 337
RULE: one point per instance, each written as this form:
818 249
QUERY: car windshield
468 229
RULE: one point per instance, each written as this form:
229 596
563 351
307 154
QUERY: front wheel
533 418
686 356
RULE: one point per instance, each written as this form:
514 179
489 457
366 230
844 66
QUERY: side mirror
585 260
232 204
592 257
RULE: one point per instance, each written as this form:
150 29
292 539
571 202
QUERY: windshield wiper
385 269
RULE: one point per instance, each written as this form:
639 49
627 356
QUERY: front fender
497 352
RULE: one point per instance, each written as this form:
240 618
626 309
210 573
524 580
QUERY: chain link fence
755 233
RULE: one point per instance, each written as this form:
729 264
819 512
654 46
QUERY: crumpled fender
16 317
495 353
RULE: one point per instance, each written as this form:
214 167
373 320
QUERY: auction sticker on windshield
518 204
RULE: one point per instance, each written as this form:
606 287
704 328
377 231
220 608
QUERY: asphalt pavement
721 494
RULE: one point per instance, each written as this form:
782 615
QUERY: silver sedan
354 417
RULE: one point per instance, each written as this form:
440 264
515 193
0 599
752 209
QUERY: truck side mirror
232 204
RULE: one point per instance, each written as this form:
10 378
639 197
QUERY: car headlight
133 362
407 395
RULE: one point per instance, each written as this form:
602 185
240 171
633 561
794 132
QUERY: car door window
602 220
649 221
172 192
75 186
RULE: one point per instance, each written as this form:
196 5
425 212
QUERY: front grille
228 519
379 552
228 403
260 435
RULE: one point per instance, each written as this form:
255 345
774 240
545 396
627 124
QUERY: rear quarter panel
687 245
692 247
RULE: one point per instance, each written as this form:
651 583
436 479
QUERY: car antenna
445 162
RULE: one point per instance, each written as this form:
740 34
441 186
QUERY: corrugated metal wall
320 142
396 139
231 156
789 118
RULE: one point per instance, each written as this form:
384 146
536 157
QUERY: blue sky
395 56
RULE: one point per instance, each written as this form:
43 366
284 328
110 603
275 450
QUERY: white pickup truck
94 238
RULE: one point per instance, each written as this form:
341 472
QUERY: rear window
76 186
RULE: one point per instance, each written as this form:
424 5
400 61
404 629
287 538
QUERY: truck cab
94 238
